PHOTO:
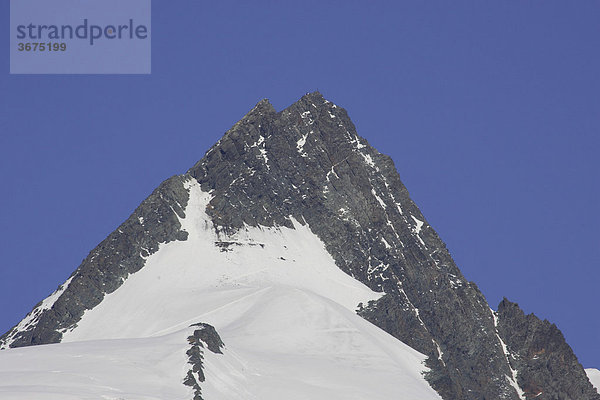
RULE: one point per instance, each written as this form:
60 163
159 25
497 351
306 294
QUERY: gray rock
204 337
548 369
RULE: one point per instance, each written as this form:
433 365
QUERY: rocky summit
288 236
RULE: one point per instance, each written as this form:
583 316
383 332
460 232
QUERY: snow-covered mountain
290 262
284 310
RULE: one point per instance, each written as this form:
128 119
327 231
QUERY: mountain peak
263 128
277 189
310 150
314 97
260 110
313 101
263 106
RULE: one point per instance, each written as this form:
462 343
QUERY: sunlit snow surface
594 376
117 369
284 310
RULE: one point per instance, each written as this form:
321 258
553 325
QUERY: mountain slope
133 369
282 307
273 176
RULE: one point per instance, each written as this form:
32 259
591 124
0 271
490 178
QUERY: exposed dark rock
204 337
547 368
207 335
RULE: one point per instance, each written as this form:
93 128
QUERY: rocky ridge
204 337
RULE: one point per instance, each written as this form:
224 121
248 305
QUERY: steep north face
307 164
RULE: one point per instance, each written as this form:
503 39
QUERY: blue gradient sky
490 110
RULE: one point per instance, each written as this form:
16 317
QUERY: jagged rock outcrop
205 337
547 367
308 163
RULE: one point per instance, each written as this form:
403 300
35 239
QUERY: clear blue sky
490 110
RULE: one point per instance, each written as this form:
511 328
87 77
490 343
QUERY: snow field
284 310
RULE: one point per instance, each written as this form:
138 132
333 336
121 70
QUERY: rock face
308 163
547 367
